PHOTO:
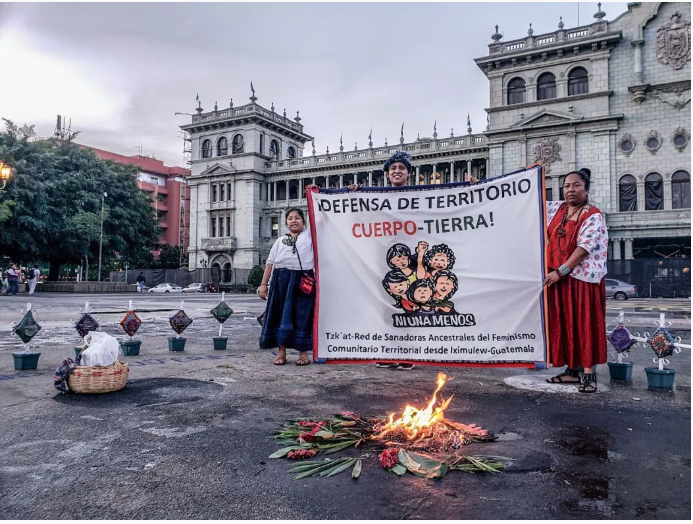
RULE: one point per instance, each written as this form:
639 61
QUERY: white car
166 288
195 287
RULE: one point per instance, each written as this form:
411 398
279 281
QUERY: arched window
546 86
516 91
222 146
238 144
681 190
291 152
578 83
627 194
654 192
207 149
274 149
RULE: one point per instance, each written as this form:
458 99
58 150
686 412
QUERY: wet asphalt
188 436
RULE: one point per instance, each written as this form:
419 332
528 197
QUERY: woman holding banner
289 315
576 254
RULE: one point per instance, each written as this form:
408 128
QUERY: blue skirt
289 314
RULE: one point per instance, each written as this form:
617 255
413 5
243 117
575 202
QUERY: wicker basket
98 379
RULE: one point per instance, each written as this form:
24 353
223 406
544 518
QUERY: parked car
195 287
620 290
166 288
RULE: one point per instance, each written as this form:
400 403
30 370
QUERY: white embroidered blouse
594 239
283 255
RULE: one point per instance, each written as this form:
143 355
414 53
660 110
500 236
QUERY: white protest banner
432 274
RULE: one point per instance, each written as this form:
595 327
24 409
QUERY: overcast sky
121 71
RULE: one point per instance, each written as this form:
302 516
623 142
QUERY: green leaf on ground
399 469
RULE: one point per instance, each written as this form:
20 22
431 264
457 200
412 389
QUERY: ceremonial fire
428 429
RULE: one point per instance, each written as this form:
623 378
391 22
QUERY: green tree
57 189
255 276
169 257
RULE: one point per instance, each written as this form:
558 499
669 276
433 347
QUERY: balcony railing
557 37
213 116
219 244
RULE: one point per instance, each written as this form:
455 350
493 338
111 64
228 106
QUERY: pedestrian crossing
682 305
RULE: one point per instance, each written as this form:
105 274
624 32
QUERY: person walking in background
140 282
576 256
12 280
32 276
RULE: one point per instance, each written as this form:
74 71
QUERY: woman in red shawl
576 253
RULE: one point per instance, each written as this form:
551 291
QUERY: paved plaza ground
187 437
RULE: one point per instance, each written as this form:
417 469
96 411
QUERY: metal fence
654 277
183 277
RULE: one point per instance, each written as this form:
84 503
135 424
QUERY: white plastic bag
102 351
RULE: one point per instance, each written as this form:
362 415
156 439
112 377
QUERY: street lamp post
103 198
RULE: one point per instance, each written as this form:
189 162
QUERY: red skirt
577 323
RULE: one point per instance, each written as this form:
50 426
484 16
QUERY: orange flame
413 420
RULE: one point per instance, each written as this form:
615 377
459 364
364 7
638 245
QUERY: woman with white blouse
576 255
289 315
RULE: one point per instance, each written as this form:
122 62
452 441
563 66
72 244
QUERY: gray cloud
346 67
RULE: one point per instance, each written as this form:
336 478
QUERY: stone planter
621 371
176 344
660 379
24 361
131 347
220 342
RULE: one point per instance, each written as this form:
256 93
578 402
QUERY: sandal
302 361
558 379
280 361
589 383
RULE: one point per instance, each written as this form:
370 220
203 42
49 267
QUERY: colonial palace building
610 96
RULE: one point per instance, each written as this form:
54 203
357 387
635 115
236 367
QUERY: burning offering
421 441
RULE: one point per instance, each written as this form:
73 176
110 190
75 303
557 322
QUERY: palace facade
610 96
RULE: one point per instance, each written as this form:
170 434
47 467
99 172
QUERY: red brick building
169 188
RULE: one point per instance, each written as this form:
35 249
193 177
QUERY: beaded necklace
562 247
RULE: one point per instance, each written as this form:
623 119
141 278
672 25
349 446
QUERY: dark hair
394 277
441 248
395 251
300 213
584 175
418 284
445 273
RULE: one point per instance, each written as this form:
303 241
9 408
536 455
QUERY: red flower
349 414
311 424
388 458
301 454
308 435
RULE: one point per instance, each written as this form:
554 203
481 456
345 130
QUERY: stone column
555 188
356 178
287 192
467 167
667 193
523 152
341 180
452 171
416 182
637 60
640 187
616 248
313 180
488 172
433 174
629 249
274 191
301 196
370 178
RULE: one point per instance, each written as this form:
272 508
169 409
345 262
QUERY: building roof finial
341 145
231 104
253 98
561 25
496 36
356 146
199 104
452 133
216 107
312 142
435 129
401 134
530 31
386 142
599 14
370 138
284 112
298 118
272 107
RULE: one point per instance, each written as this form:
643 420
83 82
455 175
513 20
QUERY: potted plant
26 329
663 344
621 340
179 321
130 324
221 312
